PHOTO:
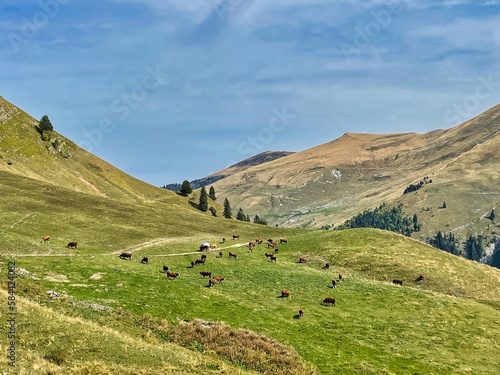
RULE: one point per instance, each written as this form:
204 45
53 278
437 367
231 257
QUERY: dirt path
20 220
151 243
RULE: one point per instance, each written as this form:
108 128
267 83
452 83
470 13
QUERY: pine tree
256 219
45 127
186 188
495 260
248 218
211 193
203 200
241 215
227 210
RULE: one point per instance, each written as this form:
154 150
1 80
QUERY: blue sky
169 90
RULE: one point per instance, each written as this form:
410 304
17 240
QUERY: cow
221 254
211 282
341 277
259 241
46 239
270 240
72 244
203 248
273 258
327 266
302 260
192 263
231 254
397 282
282 240
206 273
276 251
329 301
301 313
145 260
250 248
285 293
236 236
271 245
213 246
199 261
172 275
268 255
219 279
251 244
420 278
125 256
334 283
204 256
165 269
223 240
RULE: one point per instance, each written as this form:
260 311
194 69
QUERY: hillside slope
60 161
330 183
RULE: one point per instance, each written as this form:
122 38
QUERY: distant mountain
258 159
327 184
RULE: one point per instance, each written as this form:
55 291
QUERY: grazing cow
341 277
271 245
46 239
250 248
221 254
223 240
327 301
204 248
397 282
420 278
125 256
236 236
219 279
145 260
268 255
211 282
302 260
251 244
285 293
270 240
273 258
192 263
204 256
276 251
165 269
259 241
334 283
172 275
72 244
213 246
301 313
199 261
327 266
231 254
282 240
206 273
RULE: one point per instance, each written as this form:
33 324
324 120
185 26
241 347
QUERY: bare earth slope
331 182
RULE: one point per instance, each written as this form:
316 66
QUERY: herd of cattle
259 241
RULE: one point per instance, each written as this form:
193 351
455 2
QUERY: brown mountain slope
59 161
331 182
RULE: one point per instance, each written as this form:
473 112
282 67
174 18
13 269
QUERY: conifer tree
211 193
203 200
241 215
186 188
227 210
45 127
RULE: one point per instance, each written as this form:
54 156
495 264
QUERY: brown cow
251 244
273 258
145 260
341 277
125 256
285 293
204 256
231 254
420 278
199 261
397 282
301 313
221 254
211 282
302 260
172 275
72 244
46 239
213 246
268 255
271 245
282 240
327 301
192 263
259 241
203 248
219 279
236 236
250 248
206 273
334 283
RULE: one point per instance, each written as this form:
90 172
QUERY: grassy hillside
375 327
332 182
